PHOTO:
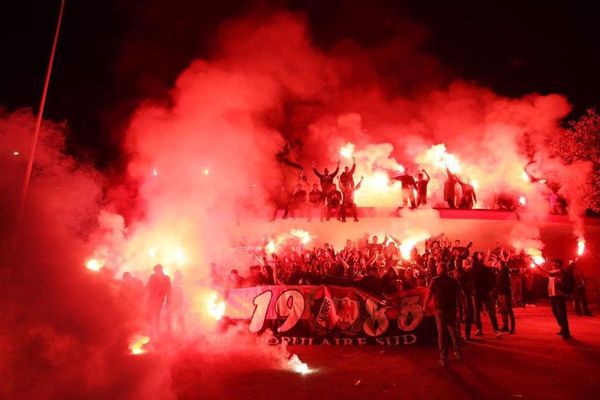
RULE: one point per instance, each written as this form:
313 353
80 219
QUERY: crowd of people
490 282
463 284
328 198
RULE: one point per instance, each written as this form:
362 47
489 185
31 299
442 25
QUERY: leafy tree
581 142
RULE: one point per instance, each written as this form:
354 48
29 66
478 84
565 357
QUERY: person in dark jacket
450 188
326 178
466 281
408 189
348 200
316 200
484 282
504 293
446 294
422 182
558 290
347 177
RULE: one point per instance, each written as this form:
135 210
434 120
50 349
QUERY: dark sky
112 53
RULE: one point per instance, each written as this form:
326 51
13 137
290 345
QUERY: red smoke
205 158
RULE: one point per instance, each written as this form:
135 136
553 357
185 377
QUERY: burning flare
296 365
301 234
580 246
216 307
94 264
410 242
136 347
438 156
347 150
536 255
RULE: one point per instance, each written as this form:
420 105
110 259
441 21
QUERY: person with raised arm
422 182
326 178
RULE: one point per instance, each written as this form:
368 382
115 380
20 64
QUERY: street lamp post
40 115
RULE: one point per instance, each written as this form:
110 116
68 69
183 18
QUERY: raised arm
427 175
353 165
317 173
359 183
337 169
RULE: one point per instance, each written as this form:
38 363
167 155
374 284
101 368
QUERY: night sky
113 53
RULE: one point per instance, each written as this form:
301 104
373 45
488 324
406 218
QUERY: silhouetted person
316 200
504 293
466 280
159 290
298 200
334 201
234 281
579 294
408 189
281 202
450 188
422 182
446 296
131 293
485 281
468 198
347 176
348 200
558 290
326 178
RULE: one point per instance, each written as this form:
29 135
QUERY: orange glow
94 264
536 255
154 172
270 247
580 246
206 171
16 153
136 347
409 243
216 307
301 234
440 158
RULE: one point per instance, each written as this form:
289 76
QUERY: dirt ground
533 364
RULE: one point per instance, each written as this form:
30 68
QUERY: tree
581 142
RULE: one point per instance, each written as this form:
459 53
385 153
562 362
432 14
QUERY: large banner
331 315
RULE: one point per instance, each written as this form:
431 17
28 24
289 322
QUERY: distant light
525 176
522 200
206 171
400 169
94 264
154 172
152 252
475 184
180 256
16 153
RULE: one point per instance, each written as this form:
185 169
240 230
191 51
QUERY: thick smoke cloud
62 332
205 158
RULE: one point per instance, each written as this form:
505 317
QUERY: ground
533 364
